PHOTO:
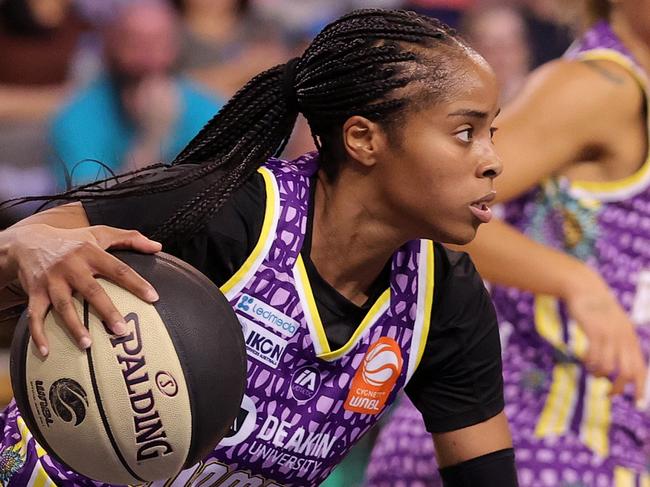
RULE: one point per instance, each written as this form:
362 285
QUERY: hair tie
288 83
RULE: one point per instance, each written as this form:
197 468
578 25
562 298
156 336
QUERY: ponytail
357 65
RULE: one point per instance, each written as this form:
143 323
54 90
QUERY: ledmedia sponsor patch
262 344
268 315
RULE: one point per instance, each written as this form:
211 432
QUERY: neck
350 242
637 46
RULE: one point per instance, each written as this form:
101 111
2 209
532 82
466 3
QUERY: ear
363 140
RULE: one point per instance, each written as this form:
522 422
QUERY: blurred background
91 88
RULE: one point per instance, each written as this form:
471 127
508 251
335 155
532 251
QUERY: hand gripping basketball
53 263
144 405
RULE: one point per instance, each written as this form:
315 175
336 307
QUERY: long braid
355 66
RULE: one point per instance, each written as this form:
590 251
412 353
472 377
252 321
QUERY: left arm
480 455
458 385
458 446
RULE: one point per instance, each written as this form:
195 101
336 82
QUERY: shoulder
460 296
453 268
583 89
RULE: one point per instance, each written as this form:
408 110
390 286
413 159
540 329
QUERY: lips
480 208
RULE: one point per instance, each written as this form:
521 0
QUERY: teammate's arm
569 115
479 455
561 121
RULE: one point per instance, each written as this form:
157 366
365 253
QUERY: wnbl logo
305 383
69 401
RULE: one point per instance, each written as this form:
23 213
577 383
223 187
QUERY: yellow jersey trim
267 235
560 402
312 317
428 299
620 187
315 324
377 309
426 284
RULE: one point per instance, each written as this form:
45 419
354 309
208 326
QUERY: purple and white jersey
551 399
305 405
566 430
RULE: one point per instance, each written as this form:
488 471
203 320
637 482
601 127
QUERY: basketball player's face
441 175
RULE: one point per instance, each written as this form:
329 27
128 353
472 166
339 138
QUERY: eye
493 130
465 135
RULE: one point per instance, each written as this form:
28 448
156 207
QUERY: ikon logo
374 381
305 383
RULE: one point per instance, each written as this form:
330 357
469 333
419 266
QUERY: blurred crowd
92 88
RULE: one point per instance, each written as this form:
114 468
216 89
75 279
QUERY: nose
491 165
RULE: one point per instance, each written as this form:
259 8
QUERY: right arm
55 253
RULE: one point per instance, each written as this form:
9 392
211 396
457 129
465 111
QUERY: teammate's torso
606 224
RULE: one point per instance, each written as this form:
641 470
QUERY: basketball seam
193 385
26 410
100 407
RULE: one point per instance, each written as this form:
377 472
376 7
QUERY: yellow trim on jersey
643 173
312 317
25 435
39 477
578 343
429 285
267 235
315 324
594 430
624 477
561 399
377 309
645 480
428 299
548 321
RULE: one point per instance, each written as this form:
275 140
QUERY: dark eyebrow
471 113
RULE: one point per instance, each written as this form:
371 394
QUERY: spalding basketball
142 406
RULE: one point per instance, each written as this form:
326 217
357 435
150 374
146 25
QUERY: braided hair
360 64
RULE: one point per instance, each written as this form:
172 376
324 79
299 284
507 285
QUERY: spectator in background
549 37
225 43
137 112
500 35
38 41
449 11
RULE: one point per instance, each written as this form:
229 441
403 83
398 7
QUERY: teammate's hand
613 346
53 263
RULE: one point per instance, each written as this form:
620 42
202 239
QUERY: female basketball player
575 146
339 242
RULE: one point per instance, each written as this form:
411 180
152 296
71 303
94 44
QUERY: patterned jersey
550 395
305 405
567 431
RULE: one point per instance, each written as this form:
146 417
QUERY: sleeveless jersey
305 405
566 430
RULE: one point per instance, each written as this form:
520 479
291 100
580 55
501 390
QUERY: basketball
142 406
